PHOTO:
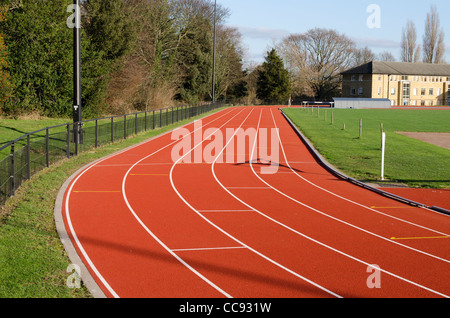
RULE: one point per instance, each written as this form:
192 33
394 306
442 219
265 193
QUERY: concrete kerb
72 253
329 167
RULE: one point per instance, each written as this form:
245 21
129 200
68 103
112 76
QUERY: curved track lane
148 225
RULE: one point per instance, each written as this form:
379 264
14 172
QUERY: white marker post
383 151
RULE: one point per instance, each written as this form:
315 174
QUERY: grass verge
11 129
33 261
408 161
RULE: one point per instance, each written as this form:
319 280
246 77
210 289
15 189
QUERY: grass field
408 161
10 129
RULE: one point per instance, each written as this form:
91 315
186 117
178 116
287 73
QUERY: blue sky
261 22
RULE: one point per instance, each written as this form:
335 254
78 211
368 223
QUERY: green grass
408 161
10 129
33 261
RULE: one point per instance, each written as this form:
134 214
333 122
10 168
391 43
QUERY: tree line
136 55
146 54
433 47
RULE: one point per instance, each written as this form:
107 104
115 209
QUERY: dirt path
438 139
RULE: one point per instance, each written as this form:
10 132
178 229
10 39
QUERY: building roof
399 68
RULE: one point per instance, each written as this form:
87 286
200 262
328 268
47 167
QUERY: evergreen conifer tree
273 80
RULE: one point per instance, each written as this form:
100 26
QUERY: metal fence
22 158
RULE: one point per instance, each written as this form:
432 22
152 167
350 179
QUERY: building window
404 78
379 90
431 91
360 91
423 92
361 78
406 90
415 91
379 77
438 92
353 78
393 91
422 103
413 103
353 91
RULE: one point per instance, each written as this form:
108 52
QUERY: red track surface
146 226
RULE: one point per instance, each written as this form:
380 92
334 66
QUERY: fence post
153 121
68 141
112 129
28 158
124 126
13 170
145 123
383 151
47 148
76 137
96 133
360 128
136 124
382 130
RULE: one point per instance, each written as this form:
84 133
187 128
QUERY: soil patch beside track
438 139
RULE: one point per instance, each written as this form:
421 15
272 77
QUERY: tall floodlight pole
214 55
77 74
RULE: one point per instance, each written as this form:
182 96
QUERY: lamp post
77 75
214 55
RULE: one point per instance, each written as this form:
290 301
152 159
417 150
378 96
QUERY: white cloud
377 43
262 33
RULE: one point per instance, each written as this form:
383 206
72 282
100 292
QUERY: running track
146 226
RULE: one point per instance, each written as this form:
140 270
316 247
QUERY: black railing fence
22 158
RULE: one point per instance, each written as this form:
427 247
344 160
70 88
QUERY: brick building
413 84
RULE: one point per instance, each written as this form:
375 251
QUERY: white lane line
351 201
77 241
209 249
249 188
316 241
228 234
69 220
341 221
192 269
223 211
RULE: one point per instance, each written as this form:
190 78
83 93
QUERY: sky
264 22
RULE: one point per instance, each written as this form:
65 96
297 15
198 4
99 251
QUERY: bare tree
433 39
363 56
318 57
229 59
410 50
386 56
